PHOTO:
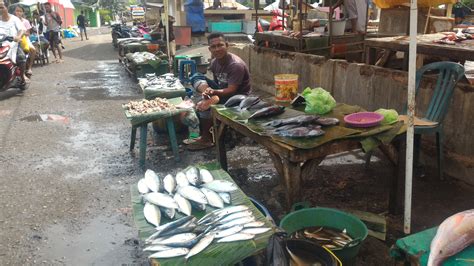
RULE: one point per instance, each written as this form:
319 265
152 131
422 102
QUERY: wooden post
427 21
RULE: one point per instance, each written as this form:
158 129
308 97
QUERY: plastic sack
318 101
390 116
276 254
24 44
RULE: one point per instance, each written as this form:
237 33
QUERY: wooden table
290 162
459 52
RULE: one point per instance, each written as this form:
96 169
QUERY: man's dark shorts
54 39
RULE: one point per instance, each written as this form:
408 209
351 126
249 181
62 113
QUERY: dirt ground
65 185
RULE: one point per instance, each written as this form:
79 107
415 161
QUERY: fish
142 187
296 120
169 184
170 213
213 198
256 231
225 197
230 231
284 128
153 181
302 132
162 200
152 214
206 176
156 248
198 206
181 180
234 216
259 105
193 193
170 253
220 186
192 174
254 224
184 204
268 111
220 213
186 244
236 237
327 121
185 228
243 220
453 235
179 238
248 101
169 226
200 246
235 100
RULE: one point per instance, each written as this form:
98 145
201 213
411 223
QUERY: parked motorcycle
278 22
10 73
120 31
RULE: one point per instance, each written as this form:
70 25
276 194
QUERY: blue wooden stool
143 136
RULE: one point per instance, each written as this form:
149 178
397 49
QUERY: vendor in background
172 44
460 12
230 77
356 12
20 13
53 24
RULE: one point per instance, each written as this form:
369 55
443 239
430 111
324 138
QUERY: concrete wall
372 88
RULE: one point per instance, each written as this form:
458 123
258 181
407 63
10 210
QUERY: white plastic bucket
337 27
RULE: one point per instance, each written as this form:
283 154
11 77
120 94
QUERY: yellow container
286 87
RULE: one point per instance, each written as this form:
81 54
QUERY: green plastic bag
318 101
390 116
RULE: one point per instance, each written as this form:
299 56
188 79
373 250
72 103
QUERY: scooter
10 73
275 24
120 31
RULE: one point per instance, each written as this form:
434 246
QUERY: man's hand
209 92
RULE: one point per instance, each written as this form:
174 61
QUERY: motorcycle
275 24
10 73
120 31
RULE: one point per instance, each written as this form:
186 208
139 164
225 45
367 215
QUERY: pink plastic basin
363 119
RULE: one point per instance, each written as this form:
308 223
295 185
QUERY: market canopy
421 3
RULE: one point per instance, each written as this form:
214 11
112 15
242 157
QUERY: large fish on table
248 102
235 100
268 111
297 120
453 235
301 132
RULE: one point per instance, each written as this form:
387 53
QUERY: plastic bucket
286 87
332 218
337 27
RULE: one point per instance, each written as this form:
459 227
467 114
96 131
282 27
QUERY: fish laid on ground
156 248
213 198
268 111
193 193
243 220
248 101
236 237
297 120
162 200
302 132
152 180
169 184
327 121
453 235
235 100
184 204
255 231
170 253
259 105
152 214
142 187
170 213
225 197
206 176
235 216
230 231
179 238
192 174
169 226
200 246
220 186
181 180
254 224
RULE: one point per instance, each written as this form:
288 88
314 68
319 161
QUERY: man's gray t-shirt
233 72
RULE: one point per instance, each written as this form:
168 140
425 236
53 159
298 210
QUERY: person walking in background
81 23
460 12
20 13
53 25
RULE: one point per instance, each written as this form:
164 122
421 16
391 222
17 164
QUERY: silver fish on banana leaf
181 179
255 231
235 100
170 213
169 226
198 206
327 121
220 213
254 224
268 111
230 231
220 186
234 216
213 198
170 253
142 187
236 237
155 248
200 246
153 181
179 238
302 132
186 228
193 193
206 175
225 197
183 203
152 214
169 184
259 106
248 101
162 200
192 174
297 120
240 221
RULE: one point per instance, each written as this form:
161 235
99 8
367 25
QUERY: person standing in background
81 23
20 13
460 12
53 25
356 12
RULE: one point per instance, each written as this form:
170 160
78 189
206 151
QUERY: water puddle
46 117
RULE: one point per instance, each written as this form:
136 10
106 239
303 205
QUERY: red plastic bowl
363 119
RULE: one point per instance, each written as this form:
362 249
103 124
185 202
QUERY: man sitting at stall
356 13
231 76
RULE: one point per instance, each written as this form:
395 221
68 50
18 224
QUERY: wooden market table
460 51
290 162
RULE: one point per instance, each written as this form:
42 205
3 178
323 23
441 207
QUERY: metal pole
411 114
167 27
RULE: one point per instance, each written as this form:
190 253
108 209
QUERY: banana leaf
216 253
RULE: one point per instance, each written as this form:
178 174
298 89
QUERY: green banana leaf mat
216 253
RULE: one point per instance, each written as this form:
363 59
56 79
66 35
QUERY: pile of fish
192 188
163 82
301 126
326 237
255 104
188 236
149 106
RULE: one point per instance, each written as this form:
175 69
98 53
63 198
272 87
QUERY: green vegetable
390 116
318 101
